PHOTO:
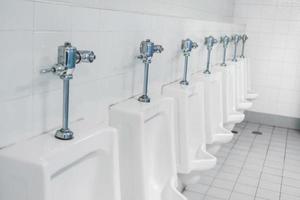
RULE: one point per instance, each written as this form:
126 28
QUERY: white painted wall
30 31
273 27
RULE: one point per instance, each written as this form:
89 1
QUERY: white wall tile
16 64
85 19
16 15
53 17
16 120
274 52
31 31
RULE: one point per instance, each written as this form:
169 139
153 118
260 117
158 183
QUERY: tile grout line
235 183
264 162
283 167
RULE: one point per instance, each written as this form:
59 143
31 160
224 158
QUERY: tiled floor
253 166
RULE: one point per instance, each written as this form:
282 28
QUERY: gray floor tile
245 189
246 180
273 171
199 188
290 190
240 196
271 178
218 193
288 197
291 182
269 185
193 195
206 180
225 184
212 198
267 194
227 176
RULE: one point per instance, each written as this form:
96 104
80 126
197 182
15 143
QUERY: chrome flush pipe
147 50
244 38
209 42
186 46
235 38
225 41
68 57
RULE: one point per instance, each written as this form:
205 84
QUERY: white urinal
45 168
230 115
190 140
249 94
242 103
147 153
216 134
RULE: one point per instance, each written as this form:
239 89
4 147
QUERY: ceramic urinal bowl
249 94
147 153
190 140
216 134
45 168
242 103
230 115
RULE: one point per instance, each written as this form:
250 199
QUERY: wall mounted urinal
44 168
216 134
242 103
230 115
146 146
190 139
249 94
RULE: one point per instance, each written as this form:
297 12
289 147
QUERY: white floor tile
254 167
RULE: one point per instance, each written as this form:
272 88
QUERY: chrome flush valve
187 46
209 43
244 38
235 39
147 50
225 41
68 57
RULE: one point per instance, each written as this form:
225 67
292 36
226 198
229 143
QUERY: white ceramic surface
230 115
190 141
147 152
213 107
45 168
242 103
249 93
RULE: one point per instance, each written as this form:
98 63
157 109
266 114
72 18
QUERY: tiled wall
30 31
273 27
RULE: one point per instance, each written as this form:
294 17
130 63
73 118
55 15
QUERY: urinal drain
234 132
257 132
